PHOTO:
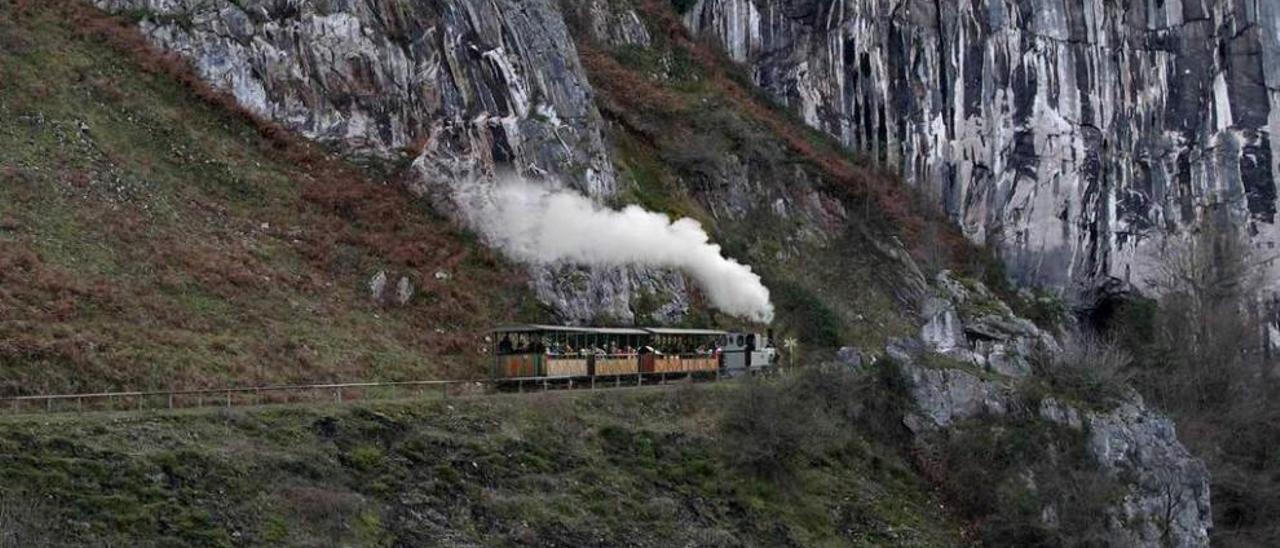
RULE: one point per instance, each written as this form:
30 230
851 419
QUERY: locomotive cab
742 352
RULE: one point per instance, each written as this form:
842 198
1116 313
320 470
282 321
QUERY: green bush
365 458
1007 478
812 414
806 314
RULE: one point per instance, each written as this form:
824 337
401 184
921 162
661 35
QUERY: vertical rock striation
1077 135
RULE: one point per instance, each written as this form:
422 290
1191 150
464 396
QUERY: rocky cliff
469 91
465 90
474 89
1075 134
972 363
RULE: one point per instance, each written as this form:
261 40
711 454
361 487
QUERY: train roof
536 328
678 331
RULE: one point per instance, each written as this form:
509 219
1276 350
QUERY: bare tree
1209 327
1206 361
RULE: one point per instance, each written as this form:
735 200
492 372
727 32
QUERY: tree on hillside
1202 354
1208 347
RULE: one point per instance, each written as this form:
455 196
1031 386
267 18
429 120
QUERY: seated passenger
504 346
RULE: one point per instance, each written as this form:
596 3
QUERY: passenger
504 346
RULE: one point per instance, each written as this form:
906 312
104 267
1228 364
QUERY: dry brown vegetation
154 234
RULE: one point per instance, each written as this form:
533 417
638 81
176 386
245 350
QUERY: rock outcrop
1165 488
470 88
1077 135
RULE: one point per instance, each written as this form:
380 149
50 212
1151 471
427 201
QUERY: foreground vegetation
726 464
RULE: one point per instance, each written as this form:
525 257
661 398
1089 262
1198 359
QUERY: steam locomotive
552 352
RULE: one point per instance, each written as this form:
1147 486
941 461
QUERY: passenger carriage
552 352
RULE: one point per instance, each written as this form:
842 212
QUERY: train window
740 340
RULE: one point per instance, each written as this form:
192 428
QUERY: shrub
767 430
24 522
365 458
1089 369
810 318
814 413
1025 484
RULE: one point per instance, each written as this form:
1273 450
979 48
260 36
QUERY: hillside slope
150 237
242 255
617 468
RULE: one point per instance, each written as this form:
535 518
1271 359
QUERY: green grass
160 240
618 467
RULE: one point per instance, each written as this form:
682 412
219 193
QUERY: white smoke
537 224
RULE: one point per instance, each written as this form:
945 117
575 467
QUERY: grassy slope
152 238
570 469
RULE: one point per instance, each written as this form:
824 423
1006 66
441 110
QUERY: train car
553 352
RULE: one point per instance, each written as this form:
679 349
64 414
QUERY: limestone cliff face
471 89
474 87
1075 134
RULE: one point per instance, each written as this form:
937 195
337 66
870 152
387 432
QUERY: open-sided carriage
552 352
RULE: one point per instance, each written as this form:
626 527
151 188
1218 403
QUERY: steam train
551 352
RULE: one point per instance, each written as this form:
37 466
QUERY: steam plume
540 225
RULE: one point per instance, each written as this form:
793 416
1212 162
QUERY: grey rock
1001 342
404 291
1168 488
603 295
1078 135
850 356
473 87
613 23
943 330
378 285
944 396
